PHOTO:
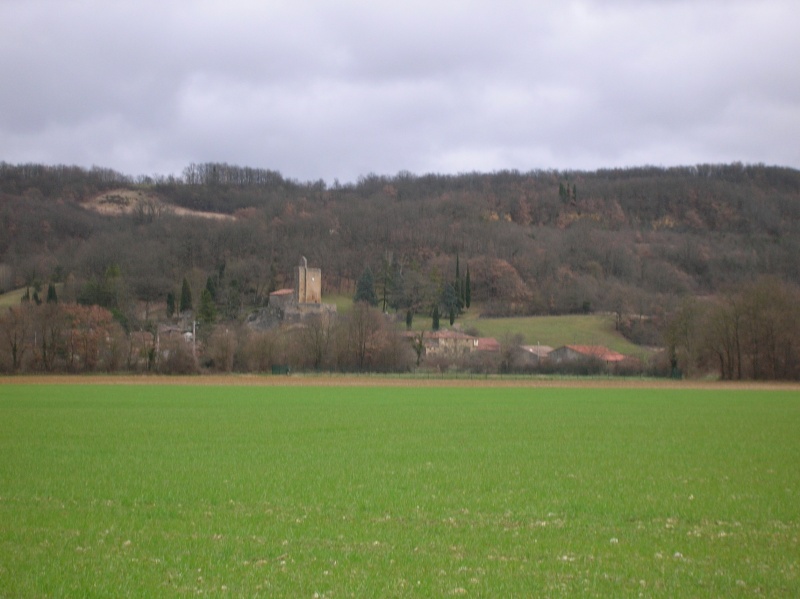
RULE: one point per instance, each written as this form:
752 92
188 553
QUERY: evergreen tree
409 318
435 324
467 290
186 296
450 300
52 298
208 310
170 304
365 289
212 288
385 283
458 286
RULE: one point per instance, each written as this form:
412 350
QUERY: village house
574 353
487 344
449 343
531 355
453 344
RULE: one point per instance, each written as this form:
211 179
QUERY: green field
147 491
555 331
11 298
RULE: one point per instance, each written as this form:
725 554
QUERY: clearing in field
278 491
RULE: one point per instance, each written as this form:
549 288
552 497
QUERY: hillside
544 242
632 243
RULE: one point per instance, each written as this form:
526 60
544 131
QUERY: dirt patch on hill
378 381
121 202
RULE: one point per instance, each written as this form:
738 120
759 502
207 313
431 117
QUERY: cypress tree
467 290
52 298
435 323
458 286
170 304
208 310
186 296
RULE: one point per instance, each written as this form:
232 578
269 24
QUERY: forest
671 252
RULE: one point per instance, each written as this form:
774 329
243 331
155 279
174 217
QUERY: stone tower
307 284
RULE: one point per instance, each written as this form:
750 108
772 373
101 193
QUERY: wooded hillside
627 241
539 242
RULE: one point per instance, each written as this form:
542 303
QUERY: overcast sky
338 89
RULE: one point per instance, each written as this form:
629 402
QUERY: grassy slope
11 298
343 303
287 492
555 331
14 297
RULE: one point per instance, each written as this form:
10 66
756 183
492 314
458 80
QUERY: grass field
555 331
153 490
11 298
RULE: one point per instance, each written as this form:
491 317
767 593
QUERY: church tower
307 284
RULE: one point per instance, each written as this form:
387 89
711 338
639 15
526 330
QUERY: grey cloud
318 89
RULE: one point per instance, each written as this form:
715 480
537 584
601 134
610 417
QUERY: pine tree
212 288
208 310
365 289
52 298
385 283
186 296
450 299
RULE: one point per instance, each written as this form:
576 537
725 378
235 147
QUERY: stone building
293 305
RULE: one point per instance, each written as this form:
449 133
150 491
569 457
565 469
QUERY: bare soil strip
379 381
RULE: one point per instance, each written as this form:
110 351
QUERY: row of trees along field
635 242
74 338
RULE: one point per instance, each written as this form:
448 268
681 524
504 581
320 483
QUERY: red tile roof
598 351
488 344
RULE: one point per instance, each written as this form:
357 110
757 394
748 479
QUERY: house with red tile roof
573 353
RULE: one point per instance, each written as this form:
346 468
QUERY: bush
177 358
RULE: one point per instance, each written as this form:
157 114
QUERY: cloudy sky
338 89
